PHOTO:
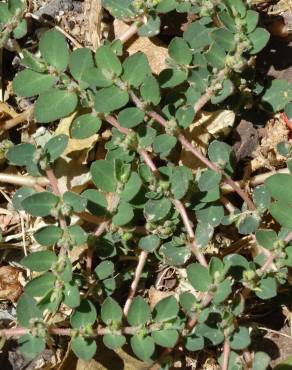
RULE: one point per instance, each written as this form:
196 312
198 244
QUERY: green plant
145 202
12 23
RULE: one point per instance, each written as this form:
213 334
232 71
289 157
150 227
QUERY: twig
275 332
23 234
15 121
254 181
21 180
66 34
204 99
154 115
226 352
139 269
89 259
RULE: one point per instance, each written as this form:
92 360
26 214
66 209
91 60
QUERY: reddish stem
207 298
148 161
53 181
101 228
55 188
187 145
204 99
178 204
19 331
193 246
268 263
226 353
89 254
286 120
13 332
114 122
288 238
139 269
190 324
247 359
157 117
128 34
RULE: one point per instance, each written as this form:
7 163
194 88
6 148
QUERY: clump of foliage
148 204
12 23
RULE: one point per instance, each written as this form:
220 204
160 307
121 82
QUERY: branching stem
19 331
205 98
188 146
196 152
178 204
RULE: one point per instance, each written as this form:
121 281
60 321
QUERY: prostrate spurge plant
11 21
147 204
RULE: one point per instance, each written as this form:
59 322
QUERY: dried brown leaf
200 132
10 287
74 144
105 359
155 50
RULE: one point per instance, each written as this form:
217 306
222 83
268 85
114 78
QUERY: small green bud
66 209
164 185
127 236
126 172
217 277
249 275
4 146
